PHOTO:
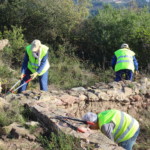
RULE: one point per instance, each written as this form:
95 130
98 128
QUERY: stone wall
127 96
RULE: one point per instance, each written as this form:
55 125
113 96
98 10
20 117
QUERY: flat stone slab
46 110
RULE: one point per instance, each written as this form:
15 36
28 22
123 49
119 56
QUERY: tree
99 36
48 20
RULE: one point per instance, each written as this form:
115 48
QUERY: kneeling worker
35 64
116 125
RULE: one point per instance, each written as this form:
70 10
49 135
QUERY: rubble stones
126 96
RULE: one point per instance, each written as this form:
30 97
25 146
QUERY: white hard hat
124 45
92 117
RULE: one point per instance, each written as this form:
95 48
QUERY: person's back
124 62
116 125
125 125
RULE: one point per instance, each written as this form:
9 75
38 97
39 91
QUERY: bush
12 114
13 54
61 142
68 71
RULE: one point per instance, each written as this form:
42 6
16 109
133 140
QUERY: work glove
21 76
34 75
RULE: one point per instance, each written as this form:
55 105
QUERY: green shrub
13 54
67 71
5 72
11 114
61 142
7 77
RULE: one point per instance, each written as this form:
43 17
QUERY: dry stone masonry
127 96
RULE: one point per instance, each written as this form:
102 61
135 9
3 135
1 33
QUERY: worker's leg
44 81
129 143
23 88
129 74
119 75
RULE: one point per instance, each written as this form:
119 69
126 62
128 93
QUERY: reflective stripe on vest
120 125
126 131
124 56
124 59
125 125
121 61
33 63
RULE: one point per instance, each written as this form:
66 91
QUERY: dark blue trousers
43 80
128 75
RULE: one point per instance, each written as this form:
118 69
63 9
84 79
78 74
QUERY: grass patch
61 142
143 141
68 72
11 114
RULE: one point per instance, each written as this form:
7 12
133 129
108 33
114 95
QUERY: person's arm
113 62
43 63
24 64
135 63
107 129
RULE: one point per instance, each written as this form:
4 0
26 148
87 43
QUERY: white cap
90 117
35 45
124 45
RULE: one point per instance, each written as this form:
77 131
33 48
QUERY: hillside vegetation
80 45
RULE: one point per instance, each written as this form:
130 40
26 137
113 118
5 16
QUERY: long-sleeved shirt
114 60
25 63
107 129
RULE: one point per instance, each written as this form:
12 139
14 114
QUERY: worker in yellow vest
124 63
35 64
116 125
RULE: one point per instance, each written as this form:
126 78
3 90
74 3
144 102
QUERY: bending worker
116 125
35 64
124 62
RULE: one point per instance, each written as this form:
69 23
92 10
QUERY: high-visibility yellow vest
34 63
125 125
124 59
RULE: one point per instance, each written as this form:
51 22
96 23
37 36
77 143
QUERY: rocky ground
131 97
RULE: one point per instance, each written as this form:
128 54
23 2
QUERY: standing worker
35 64
116 125
124 62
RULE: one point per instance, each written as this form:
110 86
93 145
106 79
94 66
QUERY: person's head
35 45
92 117
124 45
